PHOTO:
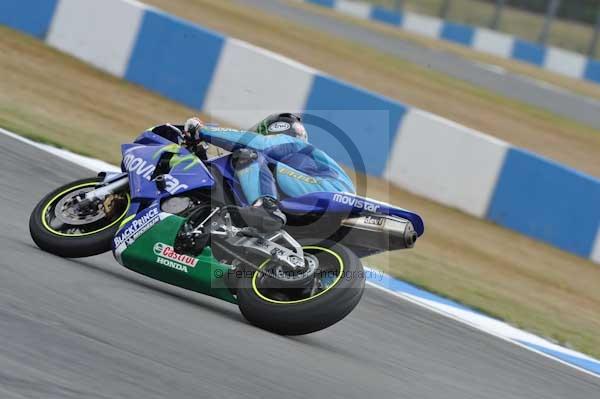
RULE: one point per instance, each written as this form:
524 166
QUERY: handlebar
194 146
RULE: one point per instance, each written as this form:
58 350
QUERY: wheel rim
268 297
62 200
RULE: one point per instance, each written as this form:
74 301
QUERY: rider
274 150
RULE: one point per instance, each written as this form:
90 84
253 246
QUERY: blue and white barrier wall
238 82
564 62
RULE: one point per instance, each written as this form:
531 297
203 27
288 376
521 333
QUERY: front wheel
57 225
337 287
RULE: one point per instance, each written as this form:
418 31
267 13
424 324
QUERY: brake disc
68 211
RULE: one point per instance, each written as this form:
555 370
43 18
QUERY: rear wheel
334 292
57 225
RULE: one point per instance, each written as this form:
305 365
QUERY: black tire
312 314
70 246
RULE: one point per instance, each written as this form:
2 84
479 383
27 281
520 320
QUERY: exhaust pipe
382 232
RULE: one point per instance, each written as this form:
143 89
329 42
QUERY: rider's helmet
286 123
191 130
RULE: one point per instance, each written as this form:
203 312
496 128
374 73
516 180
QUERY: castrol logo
166 251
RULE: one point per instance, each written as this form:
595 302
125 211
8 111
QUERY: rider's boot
264 215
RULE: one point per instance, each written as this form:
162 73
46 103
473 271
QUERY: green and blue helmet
286 123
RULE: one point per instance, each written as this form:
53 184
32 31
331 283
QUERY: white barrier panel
100 32
250 79
565 62
446 162
493 42
422 24
353 8
596 251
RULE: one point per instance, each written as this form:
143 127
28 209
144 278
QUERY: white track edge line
477 327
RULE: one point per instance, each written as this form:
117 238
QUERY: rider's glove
192 130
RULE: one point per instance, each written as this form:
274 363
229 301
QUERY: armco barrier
554 59
164 59
547 201
101 33
443 160
249 78
237 82
29 16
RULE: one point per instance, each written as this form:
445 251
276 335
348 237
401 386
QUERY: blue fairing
187 172
223 165
348 204
149 138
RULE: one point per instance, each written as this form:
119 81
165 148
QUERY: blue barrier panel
592 71
324 3
175 58
548 201
458 33
368 121
384 15
529 52
29 16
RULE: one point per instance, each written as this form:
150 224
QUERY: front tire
274 312
74 241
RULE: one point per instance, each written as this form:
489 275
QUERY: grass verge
54 97
57 99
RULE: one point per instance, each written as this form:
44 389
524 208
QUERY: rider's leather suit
262 161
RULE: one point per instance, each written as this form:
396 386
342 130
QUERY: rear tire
310 314
73 245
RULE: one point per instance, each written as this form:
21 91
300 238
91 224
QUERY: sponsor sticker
171 264
138 226
222 129
297 175
167 256
278 127
375 221
145 169
356 202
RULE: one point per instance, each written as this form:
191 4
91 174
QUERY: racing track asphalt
561 102
89 328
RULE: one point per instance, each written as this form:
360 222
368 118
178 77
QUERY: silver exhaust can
381 232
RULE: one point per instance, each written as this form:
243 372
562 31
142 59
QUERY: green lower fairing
202 274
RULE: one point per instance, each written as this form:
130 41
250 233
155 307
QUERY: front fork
113 185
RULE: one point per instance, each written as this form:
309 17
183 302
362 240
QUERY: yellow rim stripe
45 210
264 298
126 220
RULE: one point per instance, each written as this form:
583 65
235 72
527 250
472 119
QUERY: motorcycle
172 215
